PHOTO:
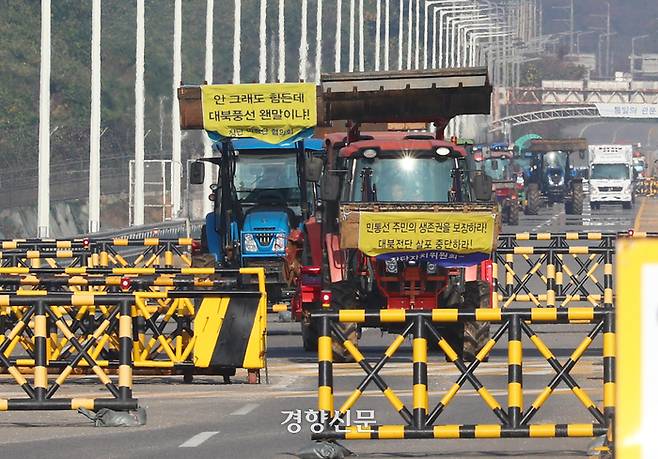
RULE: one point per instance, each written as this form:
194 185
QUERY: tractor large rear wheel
514 213
343 296
532 208
309 336
577 198
476 333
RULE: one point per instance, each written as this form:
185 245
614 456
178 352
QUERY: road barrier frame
420 421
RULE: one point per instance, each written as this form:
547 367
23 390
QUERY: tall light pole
633 56
339 38
378 31
237 40
443 56
400 34
318 41
451 30
350 64
262 42
95 122
43 200
435 9
303 42
281 77
175 172
138 202
387 32
207 205
580 34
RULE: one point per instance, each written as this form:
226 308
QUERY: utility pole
571 27
608 54
43 201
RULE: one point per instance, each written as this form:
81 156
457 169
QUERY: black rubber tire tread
627 205
341 355
532 208
513 214
577 198
343 296
309 337
204 239
476 333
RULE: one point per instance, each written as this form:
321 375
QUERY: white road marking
285 382
198 439
248 408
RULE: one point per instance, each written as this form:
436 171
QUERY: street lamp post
443 57
633 56
437 9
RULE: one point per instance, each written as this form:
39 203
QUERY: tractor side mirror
313 169
197 173
330 187
482 187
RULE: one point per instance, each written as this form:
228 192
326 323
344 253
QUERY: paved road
208 419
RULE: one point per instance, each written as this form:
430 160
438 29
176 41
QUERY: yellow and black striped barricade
119 252
646 187
225 331
421 419
37 312
145 253
554 269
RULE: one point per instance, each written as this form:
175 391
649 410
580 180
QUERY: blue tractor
263 192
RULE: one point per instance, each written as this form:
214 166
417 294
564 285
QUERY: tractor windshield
609 172
555 162
497 168
266 176
406 178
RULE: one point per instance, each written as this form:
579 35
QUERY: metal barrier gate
420 420
227 306
115 252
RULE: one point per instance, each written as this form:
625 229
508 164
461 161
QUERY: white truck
611 175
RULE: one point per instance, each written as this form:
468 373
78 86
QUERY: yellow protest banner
457 233
269 112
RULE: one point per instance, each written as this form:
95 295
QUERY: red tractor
411 191
497 161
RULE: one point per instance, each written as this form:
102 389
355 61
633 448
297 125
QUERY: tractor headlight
279 243
250 243
392 266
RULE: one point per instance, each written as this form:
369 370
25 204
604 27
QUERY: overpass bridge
576 99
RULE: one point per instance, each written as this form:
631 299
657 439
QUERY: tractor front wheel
576 203
532 207
343 296
513 218
476 333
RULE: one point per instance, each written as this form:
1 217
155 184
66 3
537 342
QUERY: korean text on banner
269 112
458 233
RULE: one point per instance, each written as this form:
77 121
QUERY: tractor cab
497 161
262 194
551 176
270 194
402 167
